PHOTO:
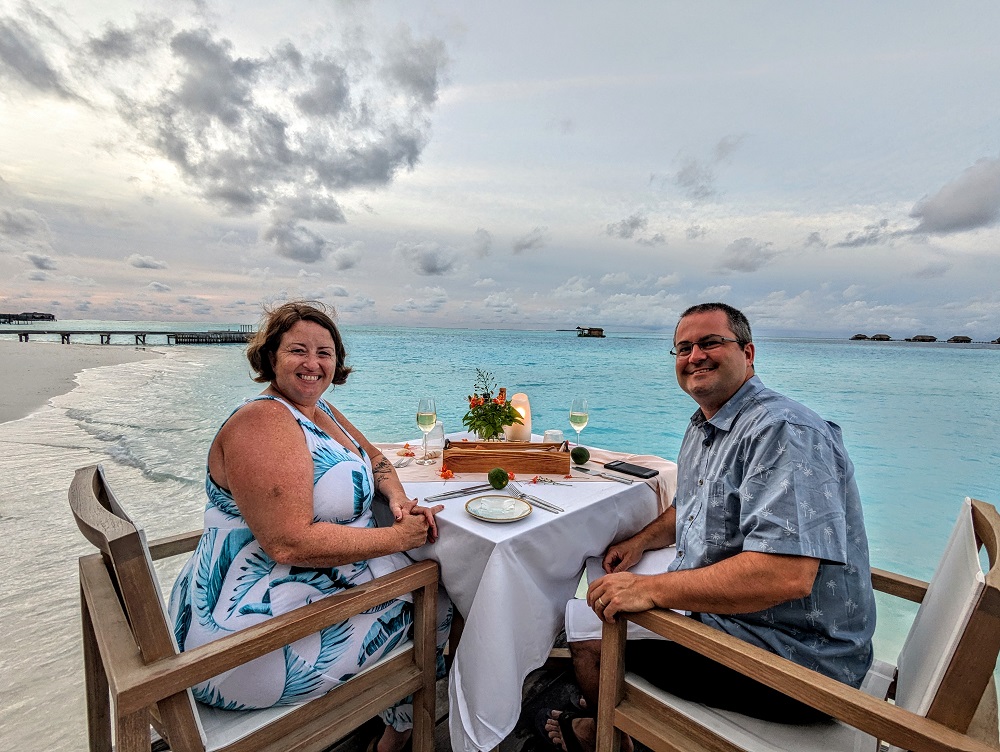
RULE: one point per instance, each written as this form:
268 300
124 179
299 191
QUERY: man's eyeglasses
706 344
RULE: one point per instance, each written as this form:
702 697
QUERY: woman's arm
260 455
386 479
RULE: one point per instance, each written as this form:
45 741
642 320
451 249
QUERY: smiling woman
290 486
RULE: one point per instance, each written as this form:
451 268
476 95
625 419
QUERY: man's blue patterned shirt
768 474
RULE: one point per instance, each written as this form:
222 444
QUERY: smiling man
770 537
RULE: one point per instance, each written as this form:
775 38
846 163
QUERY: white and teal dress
230 583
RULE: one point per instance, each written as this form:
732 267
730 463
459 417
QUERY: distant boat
589 331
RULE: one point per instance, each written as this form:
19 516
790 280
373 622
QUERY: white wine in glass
426 417
578 416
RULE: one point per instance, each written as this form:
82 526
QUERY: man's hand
623 591
623 556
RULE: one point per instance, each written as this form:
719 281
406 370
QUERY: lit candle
520 432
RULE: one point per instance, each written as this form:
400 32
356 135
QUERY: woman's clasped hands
415 524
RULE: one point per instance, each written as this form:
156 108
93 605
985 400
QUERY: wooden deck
217 337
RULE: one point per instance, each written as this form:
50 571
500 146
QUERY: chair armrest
852 706
899 585
173 545
138 684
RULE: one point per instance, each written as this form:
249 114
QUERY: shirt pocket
722 518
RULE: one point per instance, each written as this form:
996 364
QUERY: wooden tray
512 456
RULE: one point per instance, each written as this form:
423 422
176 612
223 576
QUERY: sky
829 168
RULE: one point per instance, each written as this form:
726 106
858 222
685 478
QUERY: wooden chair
943 677
131 657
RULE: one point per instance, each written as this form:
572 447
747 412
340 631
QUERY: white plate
513 509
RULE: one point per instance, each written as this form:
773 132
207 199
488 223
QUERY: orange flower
535 479
568 477
511 476
446 473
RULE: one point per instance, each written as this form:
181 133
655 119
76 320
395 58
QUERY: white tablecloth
510 582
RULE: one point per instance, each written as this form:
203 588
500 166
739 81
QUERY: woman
290 484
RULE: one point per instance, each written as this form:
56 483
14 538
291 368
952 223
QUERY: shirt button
701 481
690 517
680 554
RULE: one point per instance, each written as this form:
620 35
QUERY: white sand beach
33 372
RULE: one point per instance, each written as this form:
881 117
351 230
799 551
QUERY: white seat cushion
224 727
755 735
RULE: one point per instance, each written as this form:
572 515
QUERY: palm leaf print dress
230 583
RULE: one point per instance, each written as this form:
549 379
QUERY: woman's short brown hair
264 345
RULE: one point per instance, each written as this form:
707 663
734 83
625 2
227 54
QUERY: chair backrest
106 524
951 649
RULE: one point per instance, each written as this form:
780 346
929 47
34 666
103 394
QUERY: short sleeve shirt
767 474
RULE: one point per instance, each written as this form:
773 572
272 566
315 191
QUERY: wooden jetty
219 337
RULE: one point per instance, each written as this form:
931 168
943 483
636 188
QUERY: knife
459 492
588 471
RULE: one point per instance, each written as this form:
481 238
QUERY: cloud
336 291
617 279
40 260
814 239
295 241
933 270
873 234
145 262
360 303
746 255
37 276
21 223
655 239
158 287
81 281
532 240
694 232
427 259
501 304
696 177
668 281
970 201
716 292
283 130
485 282
346 256
415 65
482 242
430 300
628 227
24 63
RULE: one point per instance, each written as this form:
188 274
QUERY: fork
517 493
402 462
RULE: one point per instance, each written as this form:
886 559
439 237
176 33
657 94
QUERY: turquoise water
920 423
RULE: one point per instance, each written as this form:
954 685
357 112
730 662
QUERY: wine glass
578 416
426 418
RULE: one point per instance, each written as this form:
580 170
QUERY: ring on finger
600 603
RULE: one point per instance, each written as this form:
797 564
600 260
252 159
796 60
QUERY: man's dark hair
737 321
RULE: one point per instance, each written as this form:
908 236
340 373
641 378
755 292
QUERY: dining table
511 581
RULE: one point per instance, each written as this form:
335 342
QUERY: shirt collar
723 420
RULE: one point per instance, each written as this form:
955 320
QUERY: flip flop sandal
565 721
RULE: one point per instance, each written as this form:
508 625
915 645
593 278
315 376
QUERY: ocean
920 422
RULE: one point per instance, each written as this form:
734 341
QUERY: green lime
498 478
580 455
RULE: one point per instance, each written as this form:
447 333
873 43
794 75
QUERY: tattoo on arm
382 470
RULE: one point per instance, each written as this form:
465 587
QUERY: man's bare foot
392 740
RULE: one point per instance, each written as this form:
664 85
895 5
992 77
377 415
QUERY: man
771 545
